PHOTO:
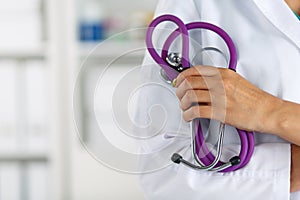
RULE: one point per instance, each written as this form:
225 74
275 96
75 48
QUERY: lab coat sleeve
265 177
295 196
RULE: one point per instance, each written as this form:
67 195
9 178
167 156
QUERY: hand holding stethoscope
245 103
198 105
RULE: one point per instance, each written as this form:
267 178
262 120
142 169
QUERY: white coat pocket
265 177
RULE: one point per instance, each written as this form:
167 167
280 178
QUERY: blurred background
43 44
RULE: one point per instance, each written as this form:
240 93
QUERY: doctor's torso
268 46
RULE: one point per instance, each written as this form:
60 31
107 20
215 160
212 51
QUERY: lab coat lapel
280 15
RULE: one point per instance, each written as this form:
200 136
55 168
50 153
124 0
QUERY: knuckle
197 69
185 116
188 82
183 104
183 84
227 84
223 71
195 112
178 93
190 94
209 84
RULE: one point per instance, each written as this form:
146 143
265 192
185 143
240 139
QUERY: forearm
285 121
282 118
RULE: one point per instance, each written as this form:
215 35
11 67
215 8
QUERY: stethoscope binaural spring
174 63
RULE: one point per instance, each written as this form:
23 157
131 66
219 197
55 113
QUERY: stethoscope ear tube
203 157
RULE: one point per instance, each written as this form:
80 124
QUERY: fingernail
174 82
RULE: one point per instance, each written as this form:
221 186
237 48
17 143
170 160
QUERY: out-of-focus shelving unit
99 181
124 40
24 155
37 53
111 49
35 158
59 167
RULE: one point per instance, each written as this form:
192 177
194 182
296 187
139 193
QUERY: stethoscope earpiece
176 158
236 160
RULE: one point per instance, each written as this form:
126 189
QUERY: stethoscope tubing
202 155
207 26
171 73
206 157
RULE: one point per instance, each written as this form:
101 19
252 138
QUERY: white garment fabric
267 36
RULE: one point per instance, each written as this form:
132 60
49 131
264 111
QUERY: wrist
274 119
281 119
285 121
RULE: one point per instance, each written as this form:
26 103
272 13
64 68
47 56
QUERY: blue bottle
91 25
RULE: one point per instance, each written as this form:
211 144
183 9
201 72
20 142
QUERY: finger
200 111
194 97
196 71
195 83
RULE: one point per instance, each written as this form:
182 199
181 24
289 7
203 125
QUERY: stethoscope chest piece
175 61
164 76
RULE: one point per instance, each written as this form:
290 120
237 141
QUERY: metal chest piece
174 60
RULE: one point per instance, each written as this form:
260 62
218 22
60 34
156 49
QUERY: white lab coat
267 36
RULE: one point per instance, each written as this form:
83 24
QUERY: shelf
22 53
132 49
23 157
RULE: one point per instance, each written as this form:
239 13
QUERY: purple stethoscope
174 63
